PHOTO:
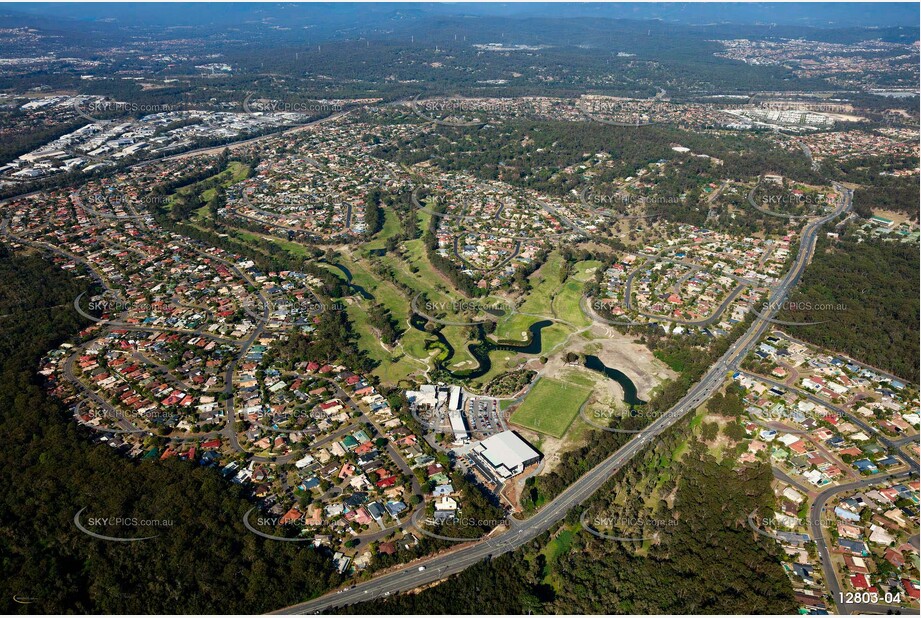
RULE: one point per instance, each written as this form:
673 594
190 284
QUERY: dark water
534 340
630 396
418 322
480 350
348 279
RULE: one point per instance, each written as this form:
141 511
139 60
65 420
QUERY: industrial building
503 455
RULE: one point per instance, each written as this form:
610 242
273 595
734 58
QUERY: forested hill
203 562
875 282
708 561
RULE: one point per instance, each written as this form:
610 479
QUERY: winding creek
348 279
481 350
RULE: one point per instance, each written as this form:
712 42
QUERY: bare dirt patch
897 217
615 350
634 359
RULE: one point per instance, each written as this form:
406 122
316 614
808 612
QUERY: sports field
550 406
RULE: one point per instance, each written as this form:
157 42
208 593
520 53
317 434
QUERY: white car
422 568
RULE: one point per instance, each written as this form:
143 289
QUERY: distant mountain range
332 17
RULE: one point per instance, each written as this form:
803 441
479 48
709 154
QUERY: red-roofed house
859 581
291 516
367 447
895 558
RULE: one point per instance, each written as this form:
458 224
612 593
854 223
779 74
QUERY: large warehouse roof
507 450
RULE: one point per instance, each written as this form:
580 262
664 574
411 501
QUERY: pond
630 396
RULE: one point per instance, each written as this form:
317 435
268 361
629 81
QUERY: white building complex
503 455
439 398
459 427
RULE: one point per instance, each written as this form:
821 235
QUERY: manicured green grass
293 248
585 271
390 228
501 362
416 272
552 336
549 298
410 354
457 337
425 278
544 284
235 172
201 213
550 406
256 240
566 303
253 240
515 328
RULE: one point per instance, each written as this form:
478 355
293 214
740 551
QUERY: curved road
831 578
892 445
437 567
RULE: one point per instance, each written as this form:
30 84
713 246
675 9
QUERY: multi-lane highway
519 533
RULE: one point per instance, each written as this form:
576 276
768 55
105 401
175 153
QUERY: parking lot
482 416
